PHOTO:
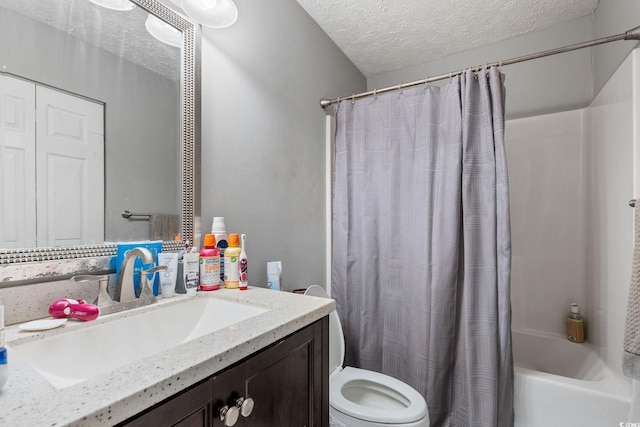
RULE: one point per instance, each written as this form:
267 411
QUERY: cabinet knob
245 405
229 415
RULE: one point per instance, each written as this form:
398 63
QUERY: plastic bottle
575 324
209 264
1 322
219 231
3 366
231 256
274 275
191 271
243 279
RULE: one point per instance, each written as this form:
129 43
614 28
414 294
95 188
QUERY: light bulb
163 31
211 13
122 5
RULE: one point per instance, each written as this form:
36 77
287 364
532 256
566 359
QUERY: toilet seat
367 395
375 397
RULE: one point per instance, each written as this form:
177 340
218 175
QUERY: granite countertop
28 399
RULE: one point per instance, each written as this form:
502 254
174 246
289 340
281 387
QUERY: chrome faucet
125 290
125 294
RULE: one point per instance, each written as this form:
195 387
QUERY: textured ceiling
120 33
385 35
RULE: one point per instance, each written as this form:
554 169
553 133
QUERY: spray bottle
218 229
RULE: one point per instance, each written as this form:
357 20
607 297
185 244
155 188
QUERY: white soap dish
42 324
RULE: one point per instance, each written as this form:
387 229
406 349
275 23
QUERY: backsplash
29 302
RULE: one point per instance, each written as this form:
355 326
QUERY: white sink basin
71 357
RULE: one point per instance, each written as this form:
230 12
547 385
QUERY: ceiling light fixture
163 31
122 5
211 13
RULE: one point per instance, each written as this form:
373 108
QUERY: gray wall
558 83
263 134
613 17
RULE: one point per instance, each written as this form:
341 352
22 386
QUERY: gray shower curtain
421 244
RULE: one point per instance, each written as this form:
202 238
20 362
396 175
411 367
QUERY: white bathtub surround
571 176
561 383
546 182
28 399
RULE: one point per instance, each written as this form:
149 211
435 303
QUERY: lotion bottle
575 324
231 255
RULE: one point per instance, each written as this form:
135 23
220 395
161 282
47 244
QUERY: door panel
70 169
17 163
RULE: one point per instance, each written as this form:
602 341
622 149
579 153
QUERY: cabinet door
191 408
288 382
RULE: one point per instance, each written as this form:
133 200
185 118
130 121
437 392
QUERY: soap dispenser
575 324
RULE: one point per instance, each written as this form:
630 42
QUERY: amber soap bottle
575 324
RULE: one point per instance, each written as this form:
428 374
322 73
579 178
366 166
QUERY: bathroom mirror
138 60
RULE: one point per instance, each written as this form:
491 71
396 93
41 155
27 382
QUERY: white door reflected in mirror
53 166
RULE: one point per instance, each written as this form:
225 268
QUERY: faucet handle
103 299
154 269
145 291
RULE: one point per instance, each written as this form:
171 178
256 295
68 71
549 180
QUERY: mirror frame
24 266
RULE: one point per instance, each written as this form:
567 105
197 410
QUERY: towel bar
130 215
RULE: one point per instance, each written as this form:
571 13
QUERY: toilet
362 398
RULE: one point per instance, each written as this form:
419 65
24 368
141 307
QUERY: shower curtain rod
633 34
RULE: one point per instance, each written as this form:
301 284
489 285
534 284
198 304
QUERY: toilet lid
375 397
336 337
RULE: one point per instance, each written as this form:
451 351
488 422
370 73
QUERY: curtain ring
375 94
353 99
400 88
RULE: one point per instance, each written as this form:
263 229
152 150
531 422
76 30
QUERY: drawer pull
229 415
245 405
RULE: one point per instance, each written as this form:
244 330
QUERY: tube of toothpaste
169 276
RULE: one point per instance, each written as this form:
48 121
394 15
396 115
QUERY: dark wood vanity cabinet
288 382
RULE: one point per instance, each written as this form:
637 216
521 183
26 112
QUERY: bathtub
561 383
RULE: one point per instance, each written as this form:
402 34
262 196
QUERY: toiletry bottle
3 351
243 280
575 324
209 264
1 322
191 271
274 275
3 366
219 231
231 255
